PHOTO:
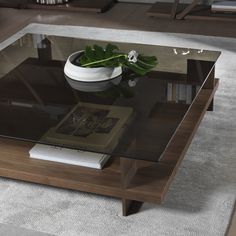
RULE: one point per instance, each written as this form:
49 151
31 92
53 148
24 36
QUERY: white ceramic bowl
83 74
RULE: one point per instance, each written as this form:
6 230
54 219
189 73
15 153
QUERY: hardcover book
90 126
68 156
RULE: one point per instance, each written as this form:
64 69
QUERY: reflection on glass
181 51
93 86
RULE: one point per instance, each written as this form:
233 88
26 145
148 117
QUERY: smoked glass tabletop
133 117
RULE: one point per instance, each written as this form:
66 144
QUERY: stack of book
68 156
87 126
52 2
91 126
181 93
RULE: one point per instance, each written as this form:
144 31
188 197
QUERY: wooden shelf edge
186 132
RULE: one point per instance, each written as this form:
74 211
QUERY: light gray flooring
127 16
11 230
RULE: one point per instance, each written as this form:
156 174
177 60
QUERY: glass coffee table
145 124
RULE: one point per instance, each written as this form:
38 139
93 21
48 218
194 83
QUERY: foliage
110 56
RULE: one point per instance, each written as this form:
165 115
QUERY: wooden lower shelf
16 164
148 184
200 12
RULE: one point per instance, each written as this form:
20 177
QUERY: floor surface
10 230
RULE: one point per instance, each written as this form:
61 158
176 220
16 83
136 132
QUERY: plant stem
146 64
104 60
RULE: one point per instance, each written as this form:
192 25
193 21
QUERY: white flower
132 83
133 56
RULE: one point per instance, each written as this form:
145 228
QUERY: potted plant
98 64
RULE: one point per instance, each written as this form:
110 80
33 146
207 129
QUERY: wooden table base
133 181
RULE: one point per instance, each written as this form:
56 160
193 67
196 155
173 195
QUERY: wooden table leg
129 168
189 8
130 207
211 106
174 9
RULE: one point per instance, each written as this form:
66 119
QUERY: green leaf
145 65
98 52
97 56
89 53
148 58
111 47
137 69
83 60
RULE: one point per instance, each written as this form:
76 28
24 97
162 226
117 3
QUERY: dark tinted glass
129 117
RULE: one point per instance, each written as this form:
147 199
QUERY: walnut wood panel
184 135
128 169
16 164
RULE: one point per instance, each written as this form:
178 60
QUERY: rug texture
199 202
